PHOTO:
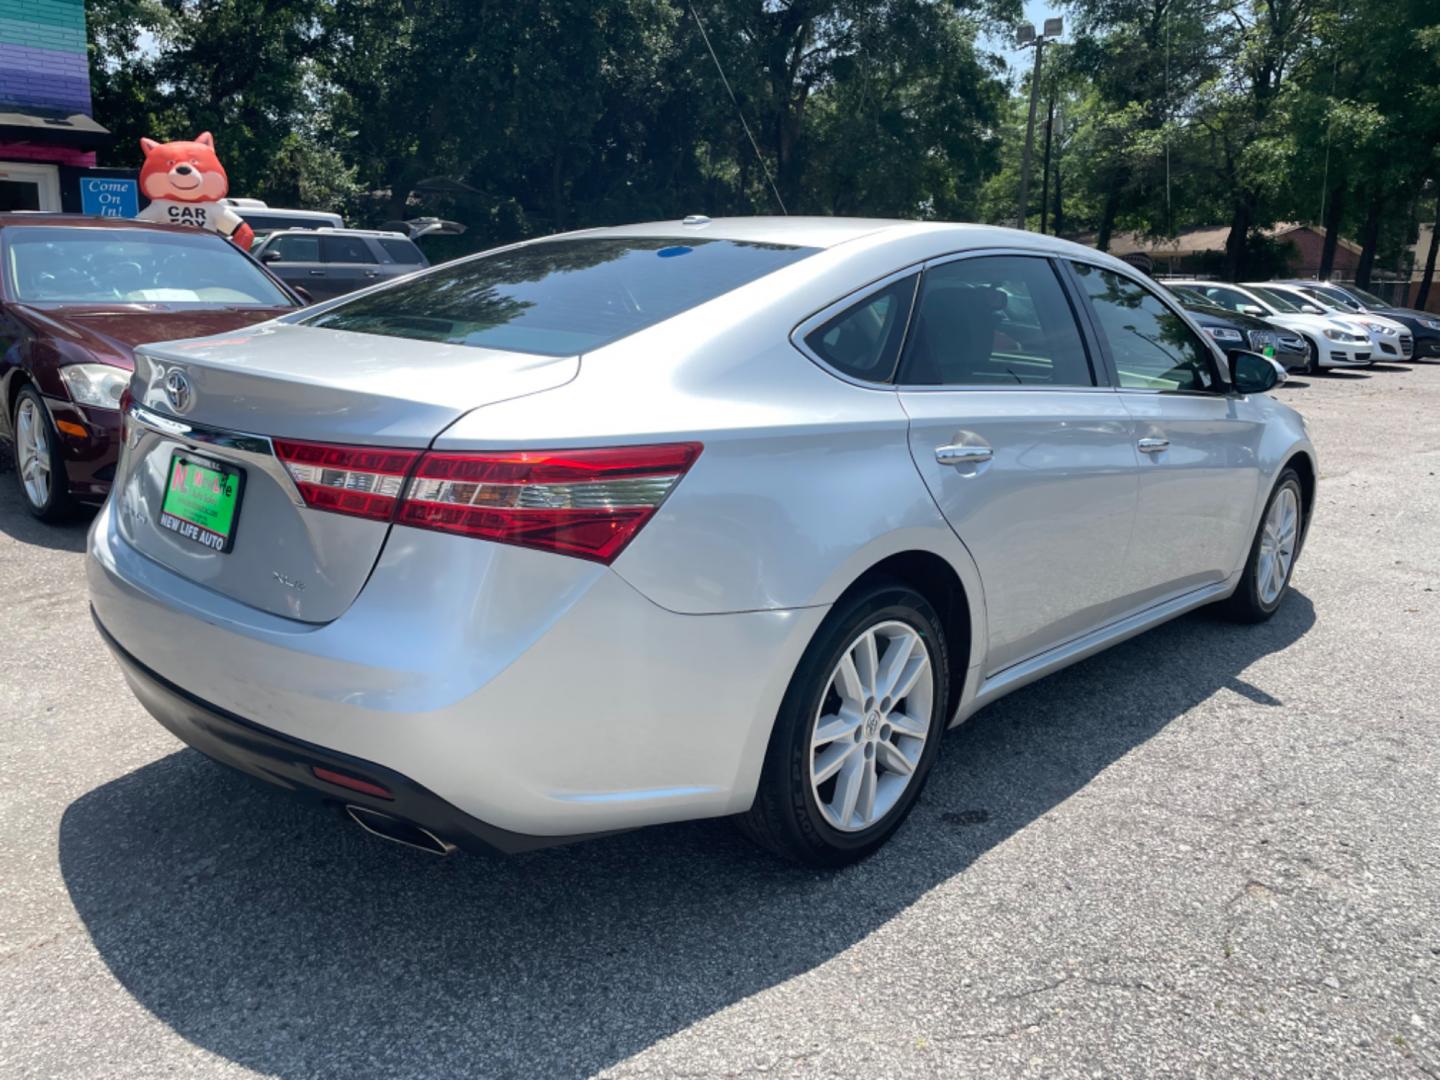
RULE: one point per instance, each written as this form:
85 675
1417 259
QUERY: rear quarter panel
805 481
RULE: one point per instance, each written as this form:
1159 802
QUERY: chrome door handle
1153 446
963 455
317 273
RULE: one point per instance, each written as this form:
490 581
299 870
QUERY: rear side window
995 321
560 297
1153 348
346 249
863 341
403 251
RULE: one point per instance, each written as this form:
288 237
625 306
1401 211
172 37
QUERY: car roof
829 232
379 234
21 219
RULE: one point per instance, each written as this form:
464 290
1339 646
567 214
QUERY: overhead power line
739 111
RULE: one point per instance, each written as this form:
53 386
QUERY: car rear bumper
291 764
538 694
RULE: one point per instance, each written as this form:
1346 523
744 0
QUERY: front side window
560 297
1153 347
78 265
996 320
863 341
296 248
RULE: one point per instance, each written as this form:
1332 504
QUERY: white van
265 219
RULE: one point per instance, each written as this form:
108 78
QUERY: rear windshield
559 297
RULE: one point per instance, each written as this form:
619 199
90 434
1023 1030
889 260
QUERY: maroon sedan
76 295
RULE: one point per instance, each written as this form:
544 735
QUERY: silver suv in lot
327 263
678 520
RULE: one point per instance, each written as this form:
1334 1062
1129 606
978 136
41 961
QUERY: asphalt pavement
1213 851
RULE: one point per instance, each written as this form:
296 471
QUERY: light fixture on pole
1025 37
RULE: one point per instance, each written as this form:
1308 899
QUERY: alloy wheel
32 452
1277 545
871 726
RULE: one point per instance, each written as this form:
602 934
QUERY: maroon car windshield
75 265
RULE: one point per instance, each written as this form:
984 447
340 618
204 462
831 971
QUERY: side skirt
1087 645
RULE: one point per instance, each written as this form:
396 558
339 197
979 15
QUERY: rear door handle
963 455
317 273
1153 446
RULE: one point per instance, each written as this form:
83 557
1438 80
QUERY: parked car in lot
679 520
1329 341
1389 340
1232 330
1424 326
331 262
264 219
77 294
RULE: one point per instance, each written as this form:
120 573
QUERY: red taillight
588 503
356 480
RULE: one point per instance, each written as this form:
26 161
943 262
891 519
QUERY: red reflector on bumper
354 783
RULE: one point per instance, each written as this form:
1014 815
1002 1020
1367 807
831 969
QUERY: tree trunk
1429 274
1045 168
1334 208
1237 243
1107 218
1369 241
557 190
1059 217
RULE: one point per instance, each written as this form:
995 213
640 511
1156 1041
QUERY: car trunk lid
225 402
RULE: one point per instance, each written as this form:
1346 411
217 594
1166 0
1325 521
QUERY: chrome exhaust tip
397 831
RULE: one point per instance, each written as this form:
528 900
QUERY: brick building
1199 251
48 136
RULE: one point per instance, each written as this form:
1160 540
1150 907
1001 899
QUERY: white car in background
1333 341
1388 338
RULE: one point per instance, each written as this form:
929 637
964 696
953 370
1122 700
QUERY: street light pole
1029 138
1028 37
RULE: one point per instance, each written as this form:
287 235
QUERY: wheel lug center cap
872 724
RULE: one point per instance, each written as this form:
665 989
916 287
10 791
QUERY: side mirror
1252 373
303 293
270 256
1252 309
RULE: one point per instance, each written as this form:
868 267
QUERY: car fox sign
185 183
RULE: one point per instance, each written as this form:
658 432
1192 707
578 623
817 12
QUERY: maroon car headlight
96 385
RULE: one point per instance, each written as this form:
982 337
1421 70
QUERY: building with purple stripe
48 136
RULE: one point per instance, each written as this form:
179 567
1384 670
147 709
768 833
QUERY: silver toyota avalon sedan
678 520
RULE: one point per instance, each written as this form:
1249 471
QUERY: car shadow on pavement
268 932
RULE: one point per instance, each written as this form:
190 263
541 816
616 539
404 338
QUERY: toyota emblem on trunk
177 389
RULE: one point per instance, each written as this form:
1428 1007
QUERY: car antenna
743 123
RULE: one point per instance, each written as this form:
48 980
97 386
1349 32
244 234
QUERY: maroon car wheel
39 468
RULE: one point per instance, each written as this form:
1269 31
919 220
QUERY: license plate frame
203 533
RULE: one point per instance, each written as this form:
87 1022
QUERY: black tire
1313 367
58 504
1246 604
786 818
